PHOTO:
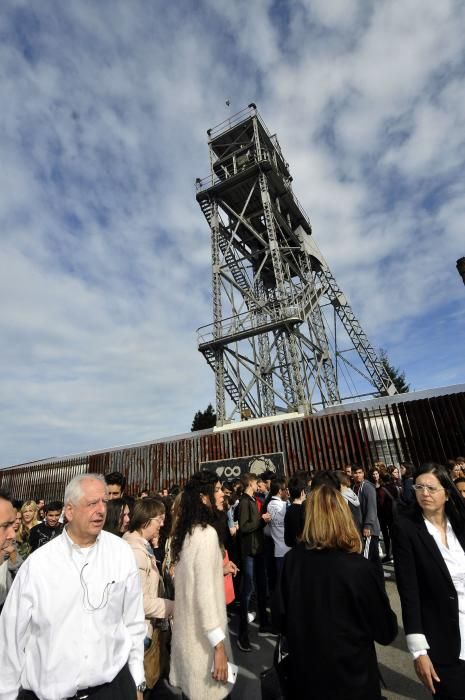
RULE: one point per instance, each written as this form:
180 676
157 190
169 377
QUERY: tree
398 377
204 419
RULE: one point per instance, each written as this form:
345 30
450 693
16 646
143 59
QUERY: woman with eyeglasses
146 520
429 557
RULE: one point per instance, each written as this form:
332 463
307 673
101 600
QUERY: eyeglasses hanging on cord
85 593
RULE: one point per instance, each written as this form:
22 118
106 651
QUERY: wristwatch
142 687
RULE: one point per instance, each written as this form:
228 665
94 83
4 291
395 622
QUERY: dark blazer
251 526
428 596
333 608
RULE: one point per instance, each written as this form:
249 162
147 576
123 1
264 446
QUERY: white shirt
72 619
277 509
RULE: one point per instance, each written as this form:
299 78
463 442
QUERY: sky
105 254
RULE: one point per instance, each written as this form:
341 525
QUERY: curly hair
192 510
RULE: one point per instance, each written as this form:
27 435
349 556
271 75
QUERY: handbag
228 582
152 660
275 681
157 656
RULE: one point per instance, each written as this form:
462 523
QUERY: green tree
204 419
398 377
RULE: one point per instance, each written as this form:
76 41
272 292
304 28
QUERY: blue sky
105 259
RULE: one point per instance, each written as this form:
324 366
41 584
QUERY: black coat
42 533
427 593
334 607
294 521
251 526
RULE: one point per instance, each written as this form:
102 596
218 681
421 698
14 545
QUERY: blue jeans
253 576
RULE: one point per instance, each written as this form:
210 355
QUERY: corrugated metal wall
417 431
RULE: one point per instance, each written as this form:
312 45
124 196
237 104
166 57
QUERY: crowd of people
108 595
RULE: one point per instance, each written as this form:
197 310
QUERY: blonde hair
329 523
23 531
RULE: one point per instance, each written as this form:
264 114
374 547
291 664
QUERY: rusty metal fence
391 430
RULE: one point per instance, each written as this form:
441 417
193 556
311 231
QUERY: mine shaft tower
284 337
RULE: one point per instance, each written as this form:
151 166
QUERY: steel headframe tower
283 337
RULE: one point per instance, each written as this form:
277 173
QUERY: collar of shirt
72 545
148 547
76 552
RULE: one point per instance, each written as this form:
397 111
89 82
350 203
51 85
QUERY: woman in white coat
200 644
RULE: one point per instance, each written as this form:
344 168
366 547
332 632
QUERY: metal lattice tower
283 337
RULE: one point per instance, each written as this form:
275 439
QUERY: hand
366 532
425 672
140 695
220 664
266 517
230 568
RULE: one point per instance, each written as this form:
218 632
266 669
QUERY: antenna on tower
283 337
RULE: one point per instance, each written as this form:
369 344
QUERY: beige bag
157 656
152 660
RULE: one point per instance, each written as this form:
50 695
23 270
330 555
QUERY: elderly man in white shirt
73 622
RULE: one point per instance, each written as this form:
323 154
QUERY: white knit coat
199 607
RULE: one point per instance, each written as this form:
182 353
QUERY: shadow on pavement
401 686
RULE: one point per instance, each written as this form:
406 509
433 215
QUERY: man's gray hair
73 490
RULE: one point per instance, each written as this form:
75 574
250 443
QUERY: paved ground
394 662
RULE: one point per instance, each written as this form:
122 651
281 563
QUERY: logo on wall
255 464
